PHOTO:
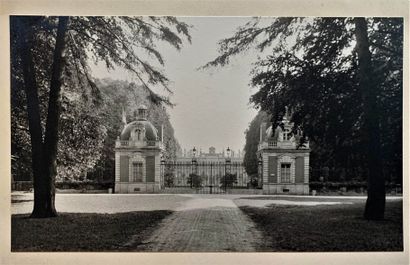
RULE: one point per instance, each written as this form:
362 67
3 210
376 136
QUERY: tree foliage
49 54
340 99
169 180
252 136
128 42
228 180
194 180
118 96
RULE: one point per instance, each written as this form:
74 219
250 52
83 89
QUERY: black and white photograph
156 134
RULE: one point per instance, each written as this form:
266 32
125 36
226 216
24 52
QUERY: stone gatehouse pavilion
137 156
284 166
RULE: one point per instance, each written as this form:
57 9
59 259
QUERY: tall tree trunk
44 155
25 29
49 164
376 194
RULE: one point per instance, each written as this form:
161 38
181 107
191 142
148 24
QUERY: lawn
84 231
327 228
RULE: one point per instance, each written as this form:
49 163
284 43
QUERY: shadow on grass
83 231
20 201
327 228
304 199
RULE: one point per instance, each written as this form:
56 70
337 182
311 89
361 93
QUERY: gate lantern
227 166
260 171
194 165
162 171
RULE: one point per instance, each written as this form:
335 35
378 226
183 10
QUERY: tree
169 179
336 74
194 180
70 42
81 132
252 135
43 152
122 96
228 180
376 197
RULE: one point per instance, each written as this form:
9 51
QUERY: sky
212 105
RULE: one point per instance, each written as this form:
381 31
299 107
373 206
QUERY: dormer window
138 134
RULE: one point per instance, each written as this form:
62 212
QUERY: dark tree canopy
252 136
341 78
228 180
194 180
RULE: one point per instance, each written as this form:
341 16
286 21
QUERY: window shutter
273 169
299 170
150 168
124 168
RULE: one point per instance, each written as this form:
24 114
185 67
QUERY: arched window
138 134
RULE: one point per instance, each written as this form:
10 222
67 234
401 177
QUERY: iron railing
176 174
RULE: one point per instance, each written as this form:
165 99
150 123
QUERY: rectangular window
285 173
137 172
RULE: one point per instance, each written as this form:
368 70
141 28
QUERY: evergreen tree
252 137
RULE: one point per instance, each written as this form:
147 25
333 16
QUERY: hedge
348 185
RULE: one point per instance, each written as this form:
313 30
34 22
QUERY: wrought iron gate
207 177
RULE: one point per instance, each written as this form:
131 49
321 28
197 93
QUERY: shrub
195 180
228 180
169 179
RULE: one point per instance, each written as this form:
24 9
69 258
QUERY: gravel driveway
205 224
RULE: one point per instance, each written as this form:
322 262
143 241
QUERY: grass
83 231
301 199
327 228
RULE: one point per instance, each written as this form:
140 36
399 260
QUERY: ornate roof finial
286 112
